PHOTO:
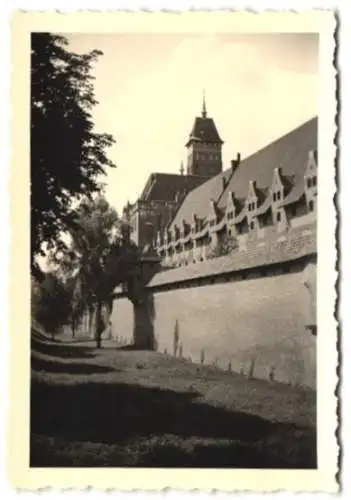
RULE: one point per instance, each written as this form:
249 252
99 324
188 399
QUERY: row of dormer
256 204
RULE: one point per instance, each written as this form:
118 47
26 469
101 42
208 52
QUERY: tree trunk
99 324
90 322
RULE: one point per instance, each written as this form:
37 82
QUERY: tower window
314 181
252 225
274 196
309 182
278 217
311 206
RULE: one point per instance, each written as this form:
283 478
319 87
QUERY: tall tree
68 157
99 258
51 304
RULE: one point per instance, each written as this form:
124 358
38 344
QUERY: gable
312 162
277 180
252 191
291 152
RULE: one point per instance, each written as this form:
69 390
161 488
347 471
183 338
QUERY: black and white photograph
174 251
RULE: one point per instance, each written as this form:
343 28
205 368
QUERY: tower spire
204 110
181 170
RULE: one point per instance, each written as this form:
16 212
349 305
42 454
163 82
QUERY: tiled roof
198 200
289 152
282 247
164 187
204 129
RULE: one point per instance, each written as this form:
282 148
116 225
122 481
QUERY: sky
150 87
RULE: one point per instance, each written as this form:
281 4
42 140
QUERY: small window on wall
277 196
252 225
278 217
311 206
314 181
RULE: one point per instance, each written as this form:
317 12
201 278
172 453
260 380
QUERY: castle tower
204 156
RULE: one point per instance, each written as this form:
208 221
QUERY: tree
51 304
98 258
67 157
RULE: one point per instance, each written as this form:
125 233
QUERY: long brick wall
253 325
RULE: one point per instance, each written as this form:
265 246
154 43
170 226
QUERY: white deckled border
322 479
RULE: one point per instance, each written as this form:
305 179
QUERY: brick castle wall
256 324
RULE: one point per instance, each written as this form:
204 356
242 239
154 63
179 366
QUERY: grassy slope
122 408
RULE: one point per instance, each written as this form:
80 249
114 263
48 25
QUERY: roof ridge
288 150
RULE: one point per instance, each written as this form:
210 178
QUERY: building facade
235 280
164 193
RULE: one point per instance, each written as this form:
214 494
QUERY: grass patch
98 408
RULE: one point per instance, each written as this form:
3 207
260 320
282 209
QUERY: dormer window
230 208
251 207
311 181
212 216
311 171
277 188
277 195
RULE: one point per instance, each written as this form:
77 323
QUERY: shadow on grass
127 347
39 364
115 413
60 350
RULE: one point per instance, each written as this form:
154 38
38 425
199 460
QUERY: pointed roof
181 170
204 128
290 151
204 110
